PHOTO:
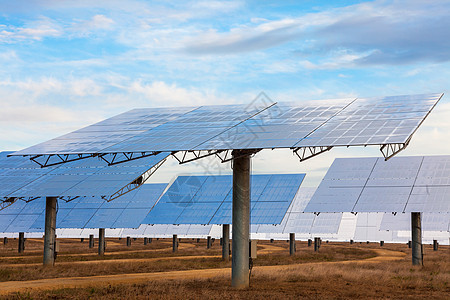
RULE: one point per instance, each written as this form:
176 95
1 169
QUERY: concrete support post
174 243
416 227
49 238
316 244
128 241
435 245
291 244
208 242
101 241
91 241
145 241
21 242
241 220
309 242
226 242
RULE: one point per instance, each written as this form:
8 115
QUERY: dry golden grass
385 279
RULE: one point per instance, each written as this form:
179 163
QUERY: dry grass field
338 271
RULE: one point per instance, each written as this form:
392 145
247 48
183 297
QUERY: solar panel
347 122
207 200
430 222
21 177
401 184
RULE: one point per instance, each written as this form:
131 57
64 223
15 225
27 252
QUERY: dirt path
73 282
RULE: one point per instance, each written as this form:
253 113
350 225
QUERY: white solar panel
401 184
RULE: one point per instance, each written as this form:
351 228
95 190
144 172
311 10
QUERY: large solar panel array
20 177
402 184
208 200
127 211
346 122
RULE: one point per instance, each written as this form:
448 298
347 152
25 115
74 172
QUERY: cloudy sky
67 64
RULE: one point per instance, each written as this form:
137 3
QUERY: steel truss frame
305 153
389 150
135 183
184 157
110 158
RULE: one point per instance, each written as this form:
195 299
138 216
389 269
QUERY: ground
338 271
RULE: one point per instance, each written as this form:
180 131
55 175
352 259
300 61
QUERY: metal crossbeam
135 183
389 150
305 153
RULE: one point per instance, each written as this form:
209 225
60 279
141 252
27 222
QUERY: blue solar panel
89 177
207 200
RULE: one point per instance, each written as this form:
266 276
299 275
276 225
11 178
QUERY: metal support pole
381 243
309 242
145 241
241 220
435 245
150 240
208 242
226 242
91 241
416 227
81 240
351 242
101 241
409 244
21 242
291 244
316 244
128 241
5 240
174 243
49 238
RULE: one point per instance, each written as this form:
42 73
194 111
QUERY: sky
68 64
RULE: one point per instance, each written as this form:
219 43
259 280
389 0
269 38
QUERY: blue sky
67 64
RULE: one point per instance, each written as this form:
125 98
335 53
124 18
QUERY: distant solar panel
21 178
402 184
348 122
430 222
207 200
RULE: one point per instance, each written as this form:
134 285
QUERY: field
338 270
